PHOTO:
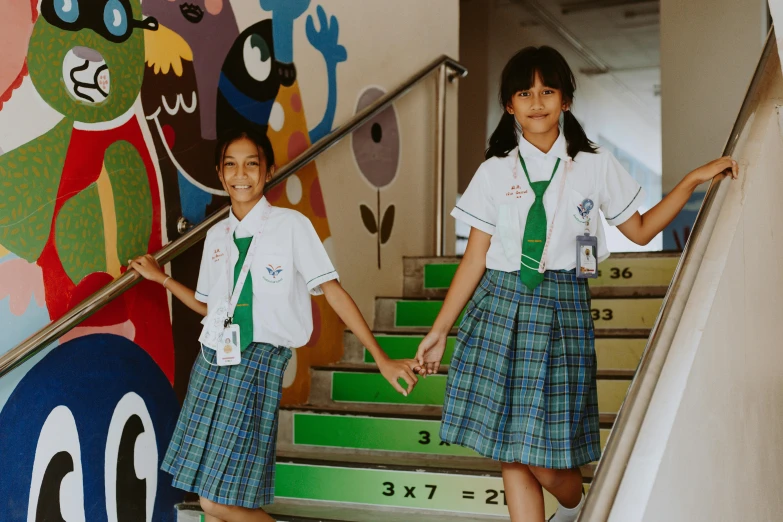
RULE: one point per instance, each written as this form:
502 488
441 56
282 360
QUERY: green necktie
243 314
535 231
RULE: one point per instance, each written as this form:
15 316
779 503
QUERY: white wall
709 50
710 443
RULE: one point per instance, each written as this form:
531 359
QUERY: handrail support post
440 161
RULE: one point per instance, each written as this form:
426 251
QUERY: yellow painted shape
164 50
625 313
636 271
106 197
3 251
611 394
293 122
619 354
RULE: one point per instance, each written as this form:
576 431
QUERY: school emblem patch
274 272
584 208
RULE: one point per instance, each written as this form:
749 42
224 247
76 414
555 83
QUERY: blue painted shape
250 108
680 227
192 200
10 381
88 376
284 12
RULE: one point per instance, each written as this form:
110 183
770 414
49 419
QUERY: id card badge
228 353
586 260
214 323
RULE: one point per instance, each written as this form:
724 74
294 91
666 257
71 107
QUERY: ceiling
618 39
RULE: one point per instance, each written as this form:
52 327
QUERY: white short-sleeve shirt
499 197
290 263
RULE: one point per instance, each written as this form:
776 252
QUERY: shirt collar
252 221
558 150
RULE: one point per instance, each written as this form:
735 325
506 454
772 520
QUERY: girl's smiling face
244 172
538 108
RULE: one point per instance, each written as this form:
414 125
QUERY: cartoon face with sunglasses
103 54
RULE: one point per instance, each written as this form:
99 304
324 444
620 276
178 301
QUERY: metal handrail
56 329
612 466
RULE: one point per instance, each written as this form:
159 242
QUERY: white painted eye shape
257 57
57 484
131 461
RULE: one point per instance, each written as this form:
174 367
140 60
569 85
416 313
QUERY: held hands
394 369
430 353
148 268
720 167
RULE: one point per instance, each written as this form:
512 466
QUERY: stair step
375 439
635 313
191 512
612 354
417 493
628 274
359 384
606 420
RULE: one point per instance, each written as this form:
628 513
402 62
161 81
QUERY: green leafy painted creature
83 198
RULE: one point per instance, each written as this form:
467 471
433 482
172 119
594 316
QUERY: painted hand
325 40
288 9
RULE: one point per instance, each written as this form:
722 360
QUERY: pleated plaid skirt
522 381
223 447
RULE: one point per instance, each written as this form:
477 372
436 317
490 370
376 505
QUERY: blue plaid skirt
521 384
223 447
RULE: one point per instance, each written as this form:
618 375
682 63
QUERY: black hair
519 74
229 136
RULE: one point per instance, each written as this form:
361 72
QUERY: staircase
359 451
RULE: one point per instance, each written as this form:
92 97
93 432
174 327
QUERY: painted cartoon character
83 198
74 454
193 20
172 107
179 95
249 81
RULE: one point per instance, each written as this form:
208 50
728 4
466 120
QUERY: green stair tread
393 410
638 270
349 435
619 313
355 385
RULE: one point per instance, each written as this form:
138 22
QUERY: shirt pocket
272 274
582 211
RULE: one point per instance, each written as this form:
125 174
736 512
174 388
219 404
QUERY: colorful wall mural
109 111
143 91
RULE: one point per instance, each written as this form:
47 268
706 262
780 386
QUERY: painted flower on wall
376 148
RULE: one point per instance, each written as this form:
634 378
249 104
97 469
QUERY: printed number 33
602 315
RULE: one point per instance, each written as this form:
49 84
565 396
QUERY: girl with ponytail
521 387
